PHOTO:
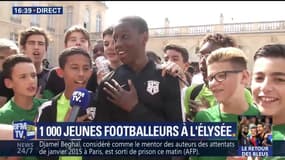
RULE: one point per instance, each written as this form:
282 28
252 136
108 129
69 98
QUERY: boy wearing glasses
227 78
199 97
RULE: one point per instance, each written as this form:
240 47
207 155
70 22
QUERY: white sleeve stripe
42 107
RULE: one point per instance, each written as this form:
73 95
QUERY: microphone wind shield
80 97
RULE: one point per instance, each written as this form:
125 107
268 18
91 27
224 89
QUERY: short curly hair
222 40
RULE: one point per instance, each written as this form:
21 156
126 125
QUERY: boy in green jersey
268 87
20 75
227 78
201 94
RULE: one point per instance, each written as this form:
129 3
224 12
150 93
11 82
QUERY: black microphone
80 99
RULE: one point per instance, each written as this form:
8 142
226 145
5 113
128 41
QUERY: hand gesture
171 68
121 97
195 107
174 70
100 76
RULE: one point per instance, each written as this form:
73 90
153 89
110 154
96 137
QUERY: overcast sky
182 13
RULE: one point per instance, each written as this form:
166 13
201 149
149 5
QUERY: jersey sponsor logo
152 87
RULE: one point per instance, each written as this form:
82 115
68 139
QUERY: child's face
35 48
77 71
175 57
5 53
109 49
129 43
99 50
268 85
23 79
77 39
224 82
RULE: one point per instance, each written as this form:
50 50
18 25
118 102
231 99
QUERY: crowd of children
138 89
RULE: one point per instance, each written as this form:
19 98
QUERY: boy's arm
6 132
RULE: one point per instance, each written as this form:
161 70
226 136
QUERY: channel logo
24 130
37 10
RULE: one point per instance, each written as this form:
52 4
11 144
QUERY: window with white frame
14 37
98 23
69 16
50 25
87 19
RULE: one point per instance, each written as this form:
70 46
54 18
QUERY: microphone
80 99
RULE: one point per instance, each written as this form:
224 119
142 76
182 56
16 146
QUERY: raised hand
174 70
100 76
121 97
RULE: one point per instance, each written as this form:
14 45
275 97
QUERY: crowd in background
132 84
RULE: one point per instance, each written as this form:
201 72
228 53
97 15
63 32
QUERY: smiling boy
268 88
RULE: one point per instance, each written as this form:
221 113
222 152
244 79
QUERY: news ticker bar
117 148
126 131
37 10
136 148
153 139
